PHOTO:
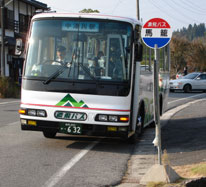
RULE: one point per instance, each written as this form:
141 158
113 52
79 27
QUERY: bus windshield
79 50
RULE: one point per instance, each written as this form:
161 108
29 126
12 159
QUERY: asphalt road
179 98
29 159
184 135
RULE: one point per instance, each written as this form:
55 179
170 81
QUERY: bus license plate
71 128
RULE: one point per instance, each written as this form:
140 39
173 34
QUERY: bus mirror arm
138 52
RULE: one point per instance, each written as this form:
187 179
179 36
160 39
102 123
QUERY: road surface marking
60 174
168 115
9 102
185 98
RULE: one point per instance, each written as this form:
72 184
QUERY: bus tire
152 124
139 128
49 134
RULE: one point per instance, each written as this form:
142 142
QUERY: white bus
96 86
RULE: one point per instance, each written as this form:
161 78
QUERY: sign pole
2 40
157 106
156 33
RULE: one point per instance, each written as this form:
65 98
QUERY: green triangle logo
68 100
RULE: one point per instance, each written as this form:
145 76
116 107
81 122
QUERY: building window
8 19
23 23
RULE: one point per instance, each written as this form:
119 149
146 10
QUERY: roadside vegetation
192 170
9 88
186 172
188 48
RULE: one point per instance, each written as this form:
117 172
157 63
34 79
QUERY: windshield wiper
87 71
58 72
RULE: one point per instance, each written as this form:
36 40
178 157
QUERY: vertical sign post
2 40
156 33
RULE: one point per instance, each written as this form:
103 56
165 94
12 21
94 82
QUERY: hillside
192 32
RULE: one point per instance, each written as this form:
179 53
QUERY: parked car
190 82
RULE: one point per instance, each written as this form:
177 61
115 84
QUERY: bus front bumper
86 129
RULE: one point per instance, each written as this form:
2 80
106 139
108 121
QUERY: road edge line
170 113
185 98
62 172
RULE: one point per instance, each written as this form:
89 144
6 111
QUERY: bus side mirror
138 52
18 47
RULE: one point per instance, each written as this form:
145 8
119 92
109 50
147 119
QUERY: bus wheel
138 130
139 127
49 134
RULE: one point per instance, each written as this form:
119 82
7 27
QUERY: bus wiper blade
57 73
87 71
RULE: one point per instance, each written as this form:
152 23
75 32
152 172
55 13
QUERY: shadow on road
184 139
115 145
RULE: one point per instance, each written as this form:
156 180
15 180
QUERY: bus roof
91 15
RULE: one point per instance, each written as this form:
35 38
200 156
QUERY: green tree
192 32
89 10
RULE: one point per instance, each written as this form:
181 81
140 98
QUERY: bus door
115 66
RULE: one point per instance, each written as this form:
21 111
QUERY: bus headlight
112 118
102 117
31 112
41 113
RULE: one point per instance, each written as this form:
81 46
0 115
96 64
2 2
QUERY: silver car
190 82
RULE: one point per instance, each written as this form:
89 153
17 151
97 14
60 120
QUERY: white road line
4 103
60 174
186 98
168 115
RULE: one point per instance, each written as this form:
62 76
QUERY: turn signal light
125 119
112 118
33 112
22 111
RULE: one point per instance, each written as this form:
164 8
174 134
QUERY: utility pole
138 13
2 40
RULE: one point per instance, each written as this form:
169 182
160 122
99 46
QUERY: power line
118 3
193 5
167 13
180 12
62 9
190 8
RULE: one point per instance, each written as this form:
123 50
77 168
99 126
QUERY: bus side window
146 64
164 59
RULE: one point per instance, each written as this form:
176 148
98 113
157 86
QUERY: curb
144 155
